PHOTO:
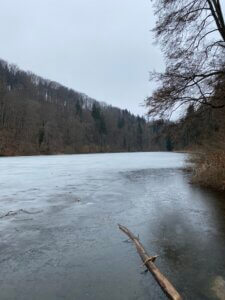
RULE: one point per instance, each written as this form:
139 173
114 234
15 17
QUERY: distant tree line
198 130
41 116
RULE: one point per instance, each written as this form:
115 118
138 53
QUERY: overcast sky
103 48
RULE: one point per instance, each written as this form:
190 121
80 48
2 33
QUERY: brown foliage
209 169
209 164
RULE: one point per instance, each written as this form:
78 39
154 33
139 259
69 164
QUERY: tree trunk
148 261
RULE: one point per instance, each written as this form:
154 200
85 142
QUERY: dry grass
209 169
209 164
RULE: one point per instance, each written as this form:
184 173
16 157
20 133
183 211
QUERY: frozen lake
59 237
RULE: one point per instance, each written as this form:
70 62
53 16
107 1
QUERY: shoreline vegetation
209 169
80 153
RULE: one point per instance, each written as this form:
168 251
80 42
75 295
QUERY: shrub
209 169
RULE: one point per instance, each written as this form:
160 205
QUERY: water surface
59 237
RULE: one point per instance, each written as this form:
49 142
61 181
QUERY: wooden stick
164 283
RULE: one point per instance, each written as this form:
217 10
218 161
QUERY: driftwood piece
148 261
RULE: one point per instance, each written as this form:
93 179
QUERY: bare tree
192 37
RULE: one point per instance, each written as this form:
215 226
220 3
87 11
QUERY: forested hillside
38 116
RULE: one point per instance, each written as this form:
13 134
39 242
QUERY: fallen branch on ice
148 261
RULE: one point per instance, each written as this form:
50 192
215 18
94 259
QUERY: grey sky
100 47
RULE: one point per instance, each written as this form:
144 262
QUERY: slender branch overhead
192 38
